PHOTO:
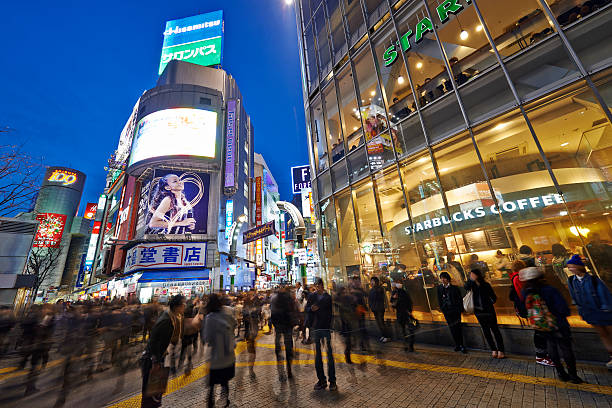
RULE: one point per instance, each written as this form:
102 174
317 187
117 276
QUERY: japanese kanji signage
258 203
50 230
166 255
196 39
259 232
300 176
230 146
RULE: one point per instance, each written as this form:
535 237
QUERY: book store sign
424 26
480 212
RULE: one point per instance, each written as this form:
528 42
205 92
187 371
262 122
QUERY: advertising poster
124 220
258 201
90 211
175 132
50 230
177 203
196 39
376 134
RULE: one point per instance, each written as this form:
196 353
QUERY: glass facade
445 131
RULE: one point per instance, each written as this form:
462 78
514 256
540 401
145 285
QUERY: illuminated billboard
64 177
50 230
90 211
177 203
175 132
196 39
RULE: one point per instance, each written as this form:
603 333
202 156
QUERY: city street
431 377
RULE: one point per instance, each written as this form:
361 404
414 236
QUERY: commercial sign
258 232
306 195
300 177
230 146
258 201
229 217
124 220
424 26
90 211
171 255
64 177
97 226
483 211
196 39
50 230
302 256
175 132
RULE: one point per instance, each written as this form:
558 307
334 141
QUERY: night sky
71 72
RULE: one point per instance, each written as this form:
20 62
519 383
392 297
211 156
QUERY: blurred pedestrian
451 305
219 335
323 314
283 318
359 297
377 302
251 313
402 303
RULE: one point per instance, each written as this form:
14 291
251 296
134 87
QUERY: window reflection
329 239
591 40
334 133
320 28
336 28
311 62
570 11
349 247
375 10
354 19
319 140
351 118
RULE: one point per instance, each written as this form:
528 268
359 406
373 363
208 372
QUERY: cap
529 273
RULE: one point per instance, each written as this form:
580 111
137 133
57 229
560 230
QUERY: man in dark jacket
283 315
359 296
323 314
166 330
377 302
451 304
401 301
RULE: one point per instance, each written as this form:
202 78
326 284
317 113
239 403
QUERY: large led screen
175 132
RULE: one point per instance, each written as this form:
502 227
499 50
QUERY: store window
370 238
576 137
319 140
329 238
408 136
357 164
443 118
336 28
570 11
311 58
398 256
354 19
377 134
375 10
516 25
335 140
324 54
339 175
350 115
324 185
591 38
349 247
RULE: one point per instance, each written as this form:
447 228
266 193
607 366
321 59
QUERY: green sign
205 52
422 27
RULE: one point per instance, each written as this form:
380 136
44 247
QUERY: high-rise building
451 135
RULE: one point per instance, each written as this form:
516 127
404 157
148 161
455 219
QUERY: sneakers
544 361
384 339
609 365
333 386
320 386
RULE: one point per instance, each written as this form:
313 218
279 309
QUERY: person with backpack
516 296
547 312
593 300
484 298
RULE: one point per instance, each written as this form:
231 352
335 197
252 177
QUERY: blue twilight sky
71 71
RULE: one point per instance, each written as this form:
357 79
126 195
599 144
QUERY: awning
174 275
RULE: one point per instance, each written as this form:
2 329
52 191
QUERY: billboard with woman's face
177 203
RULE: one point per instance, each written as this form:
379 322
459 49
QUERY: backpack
539 316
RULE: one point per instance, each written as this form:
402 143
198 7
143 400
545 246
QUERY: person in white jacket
218 330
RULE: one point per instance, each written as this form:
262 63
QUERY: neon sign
63 176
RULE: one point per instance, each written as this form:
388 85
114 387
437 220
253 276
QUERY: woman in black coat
451 305
484 298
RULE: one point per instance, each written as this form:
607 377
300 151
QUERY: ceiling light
464 35
563 213
500 126
419 65
400 80
423 159
479 28
564 144
373 93
579 231
355 128
444 170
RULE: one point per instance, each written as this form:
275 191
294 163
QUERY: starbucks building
444 131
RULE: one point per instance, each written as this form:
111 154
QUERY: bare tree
41 262
19 178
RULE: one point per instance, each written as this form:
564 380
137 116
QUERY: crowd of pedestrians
91 337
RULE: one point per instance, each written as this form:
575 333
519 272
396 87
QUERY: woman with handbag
483 298
167 329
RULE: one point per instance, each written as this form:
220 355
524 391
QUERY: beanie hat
529 273
575 260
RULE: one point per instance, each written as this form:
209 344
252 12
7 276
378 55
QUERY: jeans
379 316
453 320
560 340
540 343
488 322
148 401
319 335
287 333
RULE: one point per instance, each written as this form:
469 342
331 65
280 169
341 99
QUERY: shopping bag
158 380
468 302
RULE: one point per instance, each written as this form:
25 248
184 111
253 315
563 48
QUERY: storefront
450 158
160 285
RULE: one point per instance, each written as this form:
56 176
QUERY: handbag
158 380
468 302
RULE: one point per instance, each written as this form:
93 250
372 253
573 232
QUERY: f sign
61 176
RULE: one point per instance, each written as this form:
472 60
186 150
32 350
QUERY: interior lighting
464 35
500 126
563 213
355 128
288 2
400 80
564 144
419 65
373 93
479 28
577 231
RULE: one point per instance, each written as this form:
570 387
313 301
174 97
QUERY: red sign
258 204
98 224
90 211
50 230
125 219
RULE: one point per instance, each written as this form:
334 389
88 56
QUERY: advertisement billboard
175 132
64 177
177 203
90 211
258 232
196 39
258 201
300 177
230 146
123 228
170 255
50 230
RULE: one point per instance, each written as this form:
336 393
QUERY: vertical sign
229 217
300 176
230 146
258 220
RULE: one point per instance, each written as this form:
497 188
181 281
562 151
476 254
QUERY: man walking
322 311
283 317
377 302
